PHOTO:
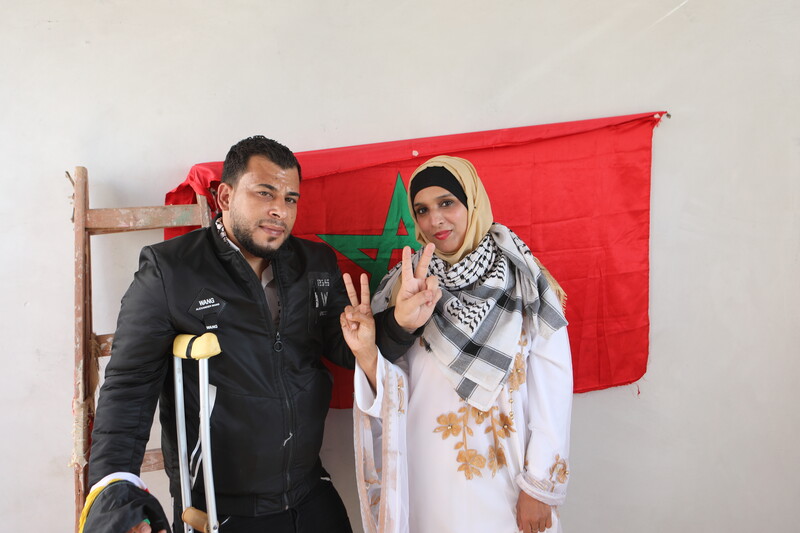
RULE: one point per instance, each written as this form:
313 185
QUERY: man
277 301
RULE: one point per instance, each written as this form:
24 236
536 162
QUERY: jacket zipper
278 348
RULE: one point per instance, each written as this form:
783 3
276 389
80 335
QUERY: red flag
578 193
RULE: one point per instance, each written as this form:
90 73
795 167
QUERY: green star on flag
354 247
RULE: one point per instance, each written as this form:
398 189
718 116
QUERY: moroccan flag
578 193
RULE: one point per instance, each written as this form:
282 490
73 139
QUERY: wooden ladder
89 347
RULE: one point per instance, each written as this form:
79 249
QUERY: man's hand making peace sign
416 300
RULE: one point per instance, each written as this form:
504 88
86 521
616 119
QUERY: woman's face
441 218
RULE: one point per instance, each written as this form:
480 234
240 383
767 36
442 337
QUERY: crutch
201 348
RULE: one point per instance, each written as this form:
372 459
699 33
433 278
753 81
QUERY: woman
469 431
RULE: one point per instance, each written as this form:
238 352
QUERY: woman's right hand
533 516
418 294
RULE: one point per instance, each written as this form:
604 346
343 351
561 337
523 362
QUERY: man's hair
240 153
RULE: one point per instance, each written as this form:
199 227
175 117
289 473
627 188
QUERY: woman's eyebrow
437 198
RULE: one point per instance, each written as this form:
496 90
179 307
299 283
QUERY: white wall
139 91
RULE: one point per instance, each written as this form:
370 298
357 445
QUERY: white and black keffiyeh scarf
475 329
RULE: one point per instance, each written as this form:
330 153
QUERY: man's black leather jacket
270 389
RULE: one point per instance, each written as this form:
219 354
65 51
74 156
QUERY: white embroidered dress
427 462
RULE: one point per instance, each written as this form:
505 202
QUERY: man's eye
291 200
264 193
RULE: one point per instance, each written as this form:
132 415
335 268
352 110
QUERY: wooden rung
115 220
105 342
153 460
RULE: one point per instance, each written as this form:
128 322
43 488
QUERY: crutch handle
195 518
202 346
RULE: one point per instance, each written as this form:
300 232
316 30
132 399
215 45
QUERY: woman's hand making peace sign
418 293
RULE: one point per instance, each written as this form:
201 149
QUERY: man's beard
244 237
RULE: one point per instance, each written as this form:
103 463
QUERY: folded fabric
118 506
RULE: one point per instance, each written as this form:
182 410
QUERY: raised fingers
422 267
405 269
351 289
365 289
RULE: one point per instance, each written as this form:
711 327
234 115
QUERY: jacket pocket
319 288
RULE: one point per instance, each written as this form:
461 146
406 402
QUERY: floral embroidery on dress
500 425
401 397
372 482
479 415
375 499
517 375
559 471
471 463
450 424
497 459
504 424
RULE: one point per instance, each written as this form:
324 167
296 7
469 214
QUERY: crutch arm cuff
203 346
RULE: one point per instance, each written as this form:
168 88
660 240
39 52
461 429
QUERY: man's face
259 212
